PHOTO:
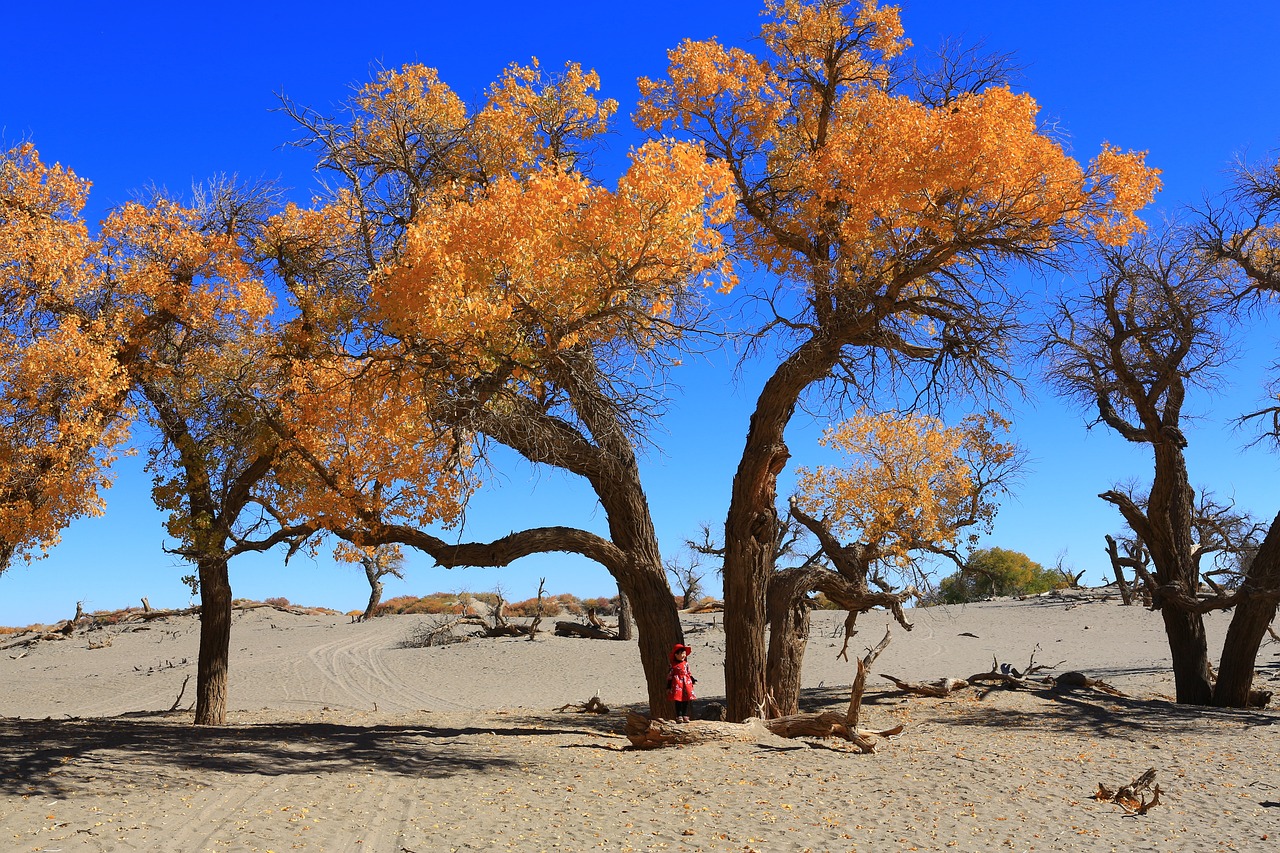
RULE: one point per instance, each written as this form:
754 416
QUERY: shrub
994 572
529 607
602 606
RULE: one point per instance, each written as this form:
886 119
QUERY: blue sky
135 94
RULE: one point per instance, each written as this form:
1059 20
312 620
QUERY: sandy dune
340 741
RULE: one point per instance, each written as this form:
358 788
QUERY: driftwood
937 689
577 629
646 733
591 706
1132 797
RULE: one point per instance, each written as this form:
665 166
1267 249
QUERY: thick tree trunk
658 625
748 565
626 617
1189 649
1255 610
375 598
215 642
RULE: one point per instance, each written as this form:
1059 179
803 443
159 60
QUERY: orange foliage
911 483
60 388
831 152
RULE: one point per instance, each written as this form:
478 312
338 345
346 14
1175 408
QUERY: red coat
679 679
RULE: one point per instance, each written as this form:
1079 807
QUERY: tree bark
659 630
215 642
1189 650
626 617
1255 610
788 612
375 598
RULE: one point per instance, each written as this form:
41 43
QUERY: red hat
679 646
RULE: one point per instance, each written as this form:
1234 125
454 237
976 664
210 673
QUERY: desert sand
341 740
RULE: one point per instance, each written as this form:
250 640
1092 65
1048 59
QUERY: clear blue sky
134 94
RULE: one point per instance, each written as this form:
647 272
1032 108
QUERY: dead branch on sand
591 706
1132 797
586 631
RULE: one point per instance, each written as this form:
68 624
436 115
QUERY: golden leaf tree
492 291
161 321
886 207
910 488
61 389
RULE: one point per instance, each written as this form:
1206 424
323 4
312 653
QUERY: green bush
994 572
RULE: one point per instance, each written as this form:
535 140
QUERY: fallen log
577 629
937 689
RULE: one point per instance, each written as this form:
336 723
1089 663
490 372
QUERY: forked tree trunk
1255 610
215 642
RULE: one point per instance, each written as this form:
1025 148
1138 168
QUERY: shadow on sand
51 757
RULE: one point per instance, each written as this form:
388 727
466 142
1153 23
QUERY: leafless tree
1154 325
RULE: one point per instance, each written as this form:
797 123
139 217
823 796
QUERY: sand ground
341 740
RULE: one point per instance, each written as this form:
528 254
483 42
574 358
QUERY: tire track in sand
354 666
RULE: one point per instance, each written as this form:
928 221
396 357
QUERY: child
680 682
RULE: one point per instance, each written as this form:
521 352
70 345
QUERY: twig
174 706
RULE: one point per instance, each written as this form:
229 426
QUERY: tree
911 488
377 564
996 571
163 318
61 390
496 287
1153 325
885 204
688 578
1243 231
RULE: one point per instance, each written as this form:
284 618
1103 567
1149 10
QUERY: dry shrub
278 602
602 606
529 607
436 603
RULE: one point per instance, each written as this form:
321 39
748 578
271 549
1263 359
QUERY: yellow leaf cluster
835 156
531 267
910 482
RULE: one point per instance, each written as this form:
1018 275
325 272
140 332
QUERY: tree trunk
1189 649
626 617
658 625
215 642
1255 610
748 564
788 612
375 598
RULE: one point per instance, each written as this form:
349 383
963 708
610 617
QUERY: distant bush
821 602
994 572
602 606
437 602
529 607
278 602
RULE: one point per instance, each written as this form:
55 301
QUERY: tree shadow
1100 715
53 757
